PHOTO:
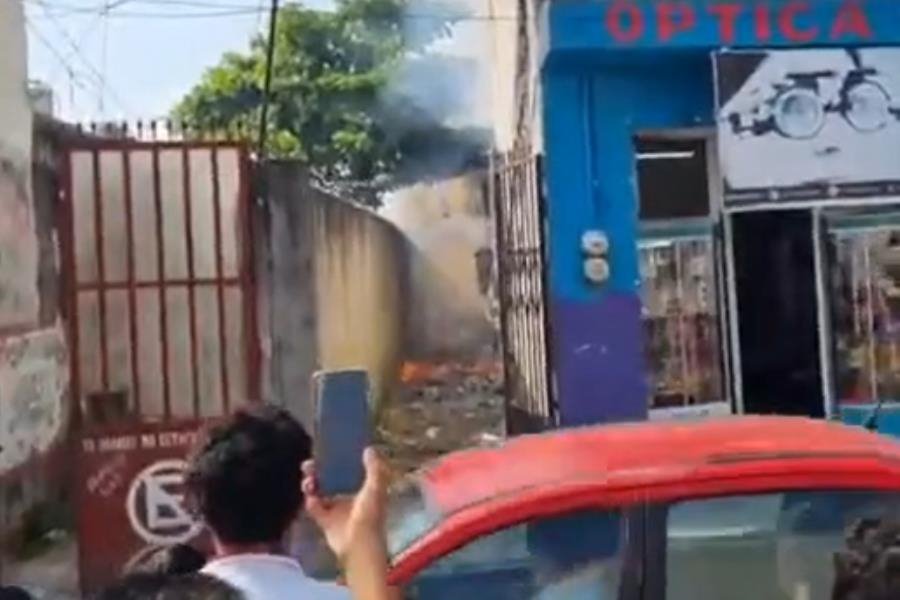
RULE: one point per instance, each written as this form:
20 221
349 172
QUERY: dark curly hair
157 586
869 569
14 592
244 478
178 559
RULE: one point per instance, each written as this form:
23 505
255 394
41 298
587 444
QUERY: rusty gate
160 305
518 213
158 261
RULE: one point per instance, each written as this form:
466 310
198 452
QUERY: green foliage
331 101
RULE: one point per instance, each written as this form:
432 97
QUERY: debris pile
442 407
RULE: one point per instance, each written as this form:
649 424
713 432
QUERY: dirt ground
439 409
51 576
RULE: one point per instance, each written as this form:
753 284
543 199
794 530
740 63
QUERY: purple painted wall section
590 115
596 343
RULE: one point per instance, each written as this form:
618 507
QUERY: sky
155 50
114 60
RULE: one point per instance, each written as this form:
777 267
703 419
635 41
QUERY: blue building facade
616 72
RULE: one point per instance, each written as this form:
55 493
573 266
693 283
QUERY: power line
259 16
222 9
100 82
70 70
104 47
267 85
82 38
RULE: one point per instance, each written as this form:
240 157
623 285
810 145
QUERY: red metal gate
158 255
161 312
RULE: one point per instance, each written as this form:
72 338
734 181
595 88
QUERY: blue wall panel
612 68
593 109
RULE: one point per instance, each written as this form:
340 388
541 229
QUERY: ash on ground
442 407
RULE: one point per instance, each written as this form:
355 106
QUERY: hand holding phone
355 528
343 430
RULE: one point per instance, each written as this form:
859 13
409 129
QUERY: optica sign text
794 21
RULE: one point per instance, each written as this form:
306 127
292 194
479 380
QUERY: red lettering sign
625 21
851 20
787 22
727 15
673 18
762 21
628 21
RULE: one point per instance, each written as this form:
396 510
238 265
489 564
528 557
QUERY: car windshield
409 517
563 557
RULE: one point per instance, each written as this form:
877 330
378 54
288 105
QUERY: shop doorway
791 310
775 284
681 283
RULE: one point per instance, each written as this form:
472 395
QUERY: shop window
680 318
866 310
677 261
672 177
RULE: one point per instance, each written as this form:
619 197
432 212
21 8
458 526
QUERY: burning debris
442 407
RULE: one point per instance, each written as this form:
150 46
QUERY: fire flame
413 372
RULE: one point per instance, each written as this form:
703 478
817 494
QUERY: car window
569 557
408 517
763 547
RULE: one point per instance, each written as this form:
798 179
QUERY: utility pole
267 85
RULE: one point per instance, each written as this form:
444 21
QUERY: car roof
656 455
474 492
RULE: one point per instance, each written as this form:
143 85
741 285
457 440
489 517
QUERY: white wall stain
18 242
33 382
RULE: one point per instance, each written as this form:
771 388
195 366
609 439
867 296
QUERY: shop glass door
864 253
679 256
681 322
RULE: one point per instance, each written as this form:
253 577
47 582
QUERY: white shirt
272 577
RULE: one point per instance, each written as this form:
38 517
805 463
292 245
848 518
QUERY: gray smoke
440 88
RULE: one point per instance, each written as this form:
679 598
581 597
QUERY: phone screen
343 430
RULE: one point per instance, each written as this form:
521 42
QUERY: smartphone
342 430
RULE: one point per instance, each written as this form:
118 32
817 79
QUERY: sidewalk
50 576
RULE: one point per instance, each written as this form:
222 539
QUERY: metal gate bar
519 223
220 289
131 282
161 273
192 301
92 286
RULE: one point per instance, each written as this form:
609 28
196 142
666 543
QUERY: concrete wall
504 31
18 245
447 225
334 286
360 277
33 358
514 72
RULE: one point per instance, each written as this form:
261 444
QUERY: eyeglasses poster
811 124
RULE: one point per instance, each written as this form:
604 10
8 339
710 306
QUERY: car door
767 546
590 553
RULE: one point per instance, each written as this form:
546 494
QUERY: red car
745 508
